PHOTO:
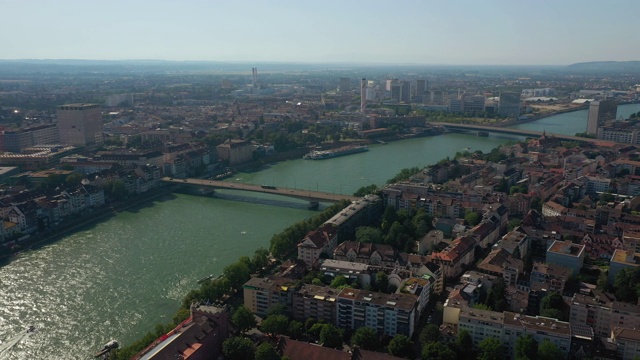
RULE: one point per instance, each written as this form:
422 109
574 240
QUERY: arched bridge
512 131
309 195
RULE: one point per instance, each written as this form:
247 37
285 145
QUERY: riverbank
104 213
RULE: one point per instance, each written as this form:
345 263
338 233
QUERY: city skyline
497 32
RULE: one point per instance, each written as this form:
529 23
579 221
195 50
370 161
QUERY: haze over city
501 32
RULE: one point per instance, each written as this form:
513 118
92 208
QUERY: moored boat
113 344
326 154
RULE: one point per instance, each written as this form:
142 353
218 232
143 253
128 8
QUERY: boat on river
107 348
341 151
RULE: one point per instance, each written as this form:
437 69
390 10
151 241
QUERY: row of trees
277 323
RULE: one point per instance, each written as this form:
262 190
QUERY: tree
243 319
430 333
237 273
437 351
549 351
381 281
366 190
552 313
400 346
491 349
275 324
260 258
237 348
338 281
390 216
553 300
74 179
277 309
464 342
266 351
472 218
295 330
331 336
369 234
366 338
526 348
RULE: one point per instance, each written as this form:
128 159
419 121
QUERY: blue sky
519 32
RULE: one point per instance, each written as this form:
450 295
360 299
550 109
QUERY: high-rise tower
599 113
363 95
80 124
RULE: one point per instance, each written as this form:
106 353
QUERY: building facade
600 112
80 124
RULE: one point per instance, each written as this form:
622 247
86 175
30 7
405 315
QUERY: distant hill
606 66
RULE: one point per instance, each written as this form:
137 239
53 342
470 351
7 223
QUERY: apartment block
388 314
323 240
567 254
260 294
601 312
627 342
508 327
622 259
315 302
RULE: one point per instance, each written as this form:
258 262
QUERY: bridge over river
519 132
308 195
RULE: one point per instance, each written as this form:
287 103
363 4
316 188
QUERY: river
119 277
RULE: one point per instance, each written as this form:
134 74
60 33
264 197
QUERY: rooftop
399 301
566 248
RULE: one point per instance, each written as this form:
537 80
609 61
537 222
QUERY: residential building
315 302
567 254
260 294
80 124
350 270
515 243
602 311
323 240
366 253
507 327
548 277
622 259
235 151
627 341
359 213
199 337
388 314
500 263
455 257
420 287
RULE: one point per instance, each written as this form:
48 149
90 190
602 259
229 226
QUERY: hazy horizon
411 32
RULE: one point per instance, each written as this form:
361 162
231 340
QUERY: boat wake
7 346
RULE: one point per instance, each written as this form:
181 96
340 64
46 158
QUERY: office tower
396 91
363 94
600 112
405 91
473 103
509 105
345 85
421 87
80 124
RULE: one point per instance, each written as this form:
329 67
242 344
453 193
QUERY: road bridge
308 195
519 132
